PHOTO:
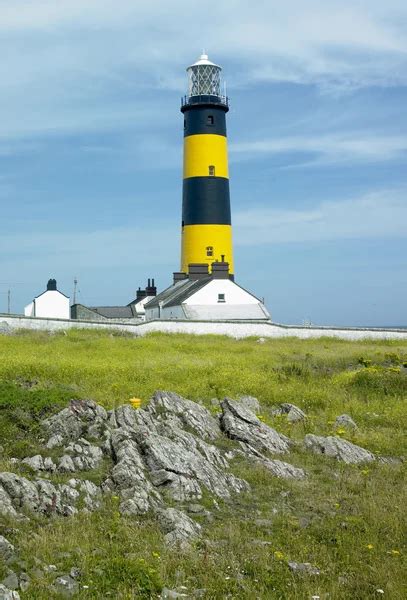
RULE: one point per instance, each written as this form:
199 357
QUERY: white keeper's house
51 304
201 296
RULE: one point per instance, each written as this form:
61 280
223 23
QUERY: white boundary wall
232 329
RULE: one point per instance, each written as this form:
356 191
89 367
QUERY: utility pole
75 283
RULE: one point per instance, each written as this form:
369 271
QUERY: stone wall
232 329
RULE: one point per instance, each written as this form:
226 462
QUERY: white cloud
374 215
326 149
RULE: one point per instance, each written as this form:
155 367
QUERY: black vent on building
52 285
198 271
220 270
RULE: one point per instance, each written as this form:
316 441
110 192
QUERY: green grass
349 521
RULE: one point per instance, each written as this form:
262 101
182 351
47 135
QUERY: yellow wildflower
156 555
135 402
279 555
395 552
370 546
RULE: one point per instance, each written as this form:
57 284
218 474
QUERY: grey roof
178 292
112 312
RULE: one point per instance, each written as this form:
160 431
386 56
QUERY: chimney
198 271
179 276
140 294
52 285
151 290
220 270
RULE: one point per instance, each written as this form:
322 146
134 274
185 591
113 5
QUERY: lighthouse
206 235
204 289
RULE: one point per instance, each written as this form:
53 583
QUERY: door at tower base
206 300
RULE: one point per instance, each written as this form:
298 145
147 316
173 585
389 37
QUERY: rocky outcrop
19 495
80 418
338 448
168 451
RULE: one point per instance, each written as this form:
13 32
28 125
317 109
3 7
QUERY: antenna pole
75 283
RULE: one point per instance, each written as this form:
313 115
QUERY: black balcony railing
204 99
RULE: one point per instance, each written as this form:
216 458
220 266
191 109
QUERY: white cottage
51 304
204 297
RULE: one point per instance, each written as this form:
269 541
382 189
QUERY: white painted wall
140 310
29 310
208 295
50 305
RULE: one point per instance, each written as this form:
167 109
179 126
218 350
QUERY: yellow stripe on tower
197 239
202 151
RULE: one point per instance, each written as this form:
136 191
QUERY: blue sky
91 149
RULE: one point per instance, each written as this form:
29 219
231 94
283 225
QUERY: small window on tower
221 298
209 250
211 171
210 120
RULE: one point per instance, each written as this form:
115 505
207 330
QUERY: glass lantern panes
204 80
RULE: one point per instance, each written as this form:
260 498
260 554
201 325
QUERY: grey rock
345 421
186 469
338 448
6 594
283 469
75 572
25 581
250 402
303 568
278 468
66 586
36 463
22 492
11 581
241 424
189 413
294 414
85 456
49 464
178 528
55 441
66 464
74 421
6 506
390 460
6 549
50 568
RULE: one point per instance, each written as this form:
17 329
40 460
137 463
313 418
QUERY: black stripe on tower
204 119
205 200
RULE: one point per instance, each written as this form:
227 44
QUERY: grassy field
347 520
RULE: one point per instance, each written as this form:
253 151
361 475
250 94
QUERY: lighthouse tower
205 289
206 222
